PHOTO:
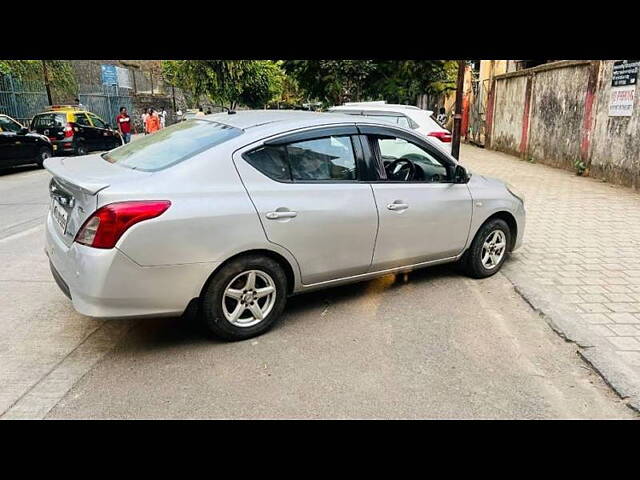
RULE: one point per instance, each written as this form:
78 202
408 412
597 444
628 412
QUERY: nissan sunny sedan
234 212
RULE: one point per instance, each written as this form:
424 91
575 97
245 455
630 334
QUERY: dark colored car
75 131
18 146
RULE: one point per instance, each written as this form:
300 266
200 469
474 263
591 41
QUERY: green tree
397 81
61 78
226 82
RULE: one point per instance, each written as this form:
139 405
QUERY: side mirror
460 175
23 131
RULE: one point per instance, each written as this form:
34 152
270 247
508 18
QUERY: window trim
373 131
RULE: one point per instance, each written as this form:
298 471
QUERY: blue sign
109 75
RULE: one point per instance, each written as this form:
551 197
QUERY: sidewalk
580 262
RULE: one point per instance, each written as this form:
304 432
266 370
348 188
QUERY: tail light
68 131
104 228
442 136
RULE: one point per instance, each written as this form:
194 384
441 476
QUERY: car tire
43 154
485 256
231 289
81 149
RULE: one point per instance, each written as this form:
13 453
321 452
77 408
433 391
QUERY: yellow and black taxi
18 146
73 130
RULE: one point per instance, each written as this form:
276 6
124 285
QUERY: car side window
272 161
8 125
398 155
81 119
97 122
329 158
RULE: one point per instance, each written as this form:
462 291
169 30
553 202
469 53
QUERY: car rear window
171 145
49 120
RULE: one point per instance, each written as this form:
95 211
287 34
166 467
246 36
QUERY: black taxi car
73 130
18 146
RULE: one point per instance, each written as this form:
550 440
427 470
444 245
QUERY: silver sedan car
233 212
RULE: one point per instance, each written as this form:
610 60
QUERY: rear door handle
276 215
398 206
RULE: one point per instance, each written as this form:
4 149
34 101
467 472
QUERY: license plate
59 214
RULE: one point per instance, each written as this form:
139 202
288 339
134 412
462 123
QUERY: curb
593 349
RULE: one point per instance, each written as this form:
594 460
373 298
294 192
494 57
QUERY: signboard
109 75
621 101
124 77
625 72
623 87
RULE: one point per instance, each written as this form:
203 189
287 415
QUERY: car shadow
170 332
18 169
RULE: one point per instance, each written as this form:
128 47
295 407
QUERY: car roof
248 119
377 107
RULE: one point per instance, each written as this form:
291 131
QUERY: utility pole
46 81
457 118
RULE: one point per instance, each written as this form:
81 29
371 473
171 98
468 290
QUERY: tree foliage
398 81
227 82
60 72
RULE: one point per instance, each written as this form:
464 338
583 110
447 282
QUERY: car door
87 134
309 198
104 136
9 154
424 218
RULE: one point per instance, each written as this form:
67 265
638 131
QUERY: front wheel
245 298
81 150
488 250
43 154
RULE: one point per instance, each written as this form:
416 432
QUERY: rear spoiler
86 184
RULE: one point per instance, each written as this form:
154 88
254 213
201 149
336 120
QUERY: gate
105 100
21 100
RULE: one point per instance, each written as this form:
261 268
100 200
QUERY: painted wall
615 142
558 114
508 114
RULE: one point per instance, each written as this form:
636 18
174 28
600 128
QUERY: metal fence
21 100
105 100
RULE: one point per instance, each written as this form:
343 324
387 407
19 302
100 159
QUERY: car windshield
8 125
171 145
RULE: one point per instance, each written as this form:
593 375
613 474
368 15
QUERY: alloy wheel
248 298
493 249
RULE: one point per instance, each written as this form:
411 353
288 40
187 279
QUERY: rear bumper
108 284
63 146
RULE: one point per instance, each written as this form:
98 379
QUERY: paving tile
625 343
625 330
624 318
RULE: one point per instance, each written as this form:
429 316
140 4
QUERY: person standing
145 114
123 120
163 118
200 112
153 121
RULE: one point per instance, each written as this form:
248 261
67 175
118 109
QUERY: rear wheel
245 298
81 149
43 154
488 250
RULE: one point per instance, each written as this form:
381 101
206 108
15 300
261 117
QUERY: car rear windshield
49 120
171 145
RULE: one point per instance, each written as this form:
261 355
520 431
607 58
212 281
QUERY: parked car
18 146
75 131
406 116
235 212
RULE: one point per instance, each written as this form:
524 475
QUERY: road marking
23 233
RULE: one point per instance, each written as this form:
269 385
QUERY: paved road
431 344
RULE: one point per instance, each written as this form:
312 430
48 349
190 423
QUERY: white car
406 116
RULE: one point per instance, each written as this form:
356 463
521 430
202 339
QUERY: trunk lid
75 186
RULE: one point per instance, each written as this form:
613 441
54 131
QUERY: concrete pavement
580 262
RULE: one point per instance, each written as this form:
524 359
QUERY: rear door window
329 158
49 120
171 145
272 161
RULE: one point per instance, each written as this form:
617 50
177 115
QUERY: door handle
276 215
398 206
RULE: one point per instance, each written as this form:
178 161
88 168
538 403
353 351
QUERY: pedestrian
123 120
163 118
200 112
209 111
179 115
145 114
441 118
153 121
